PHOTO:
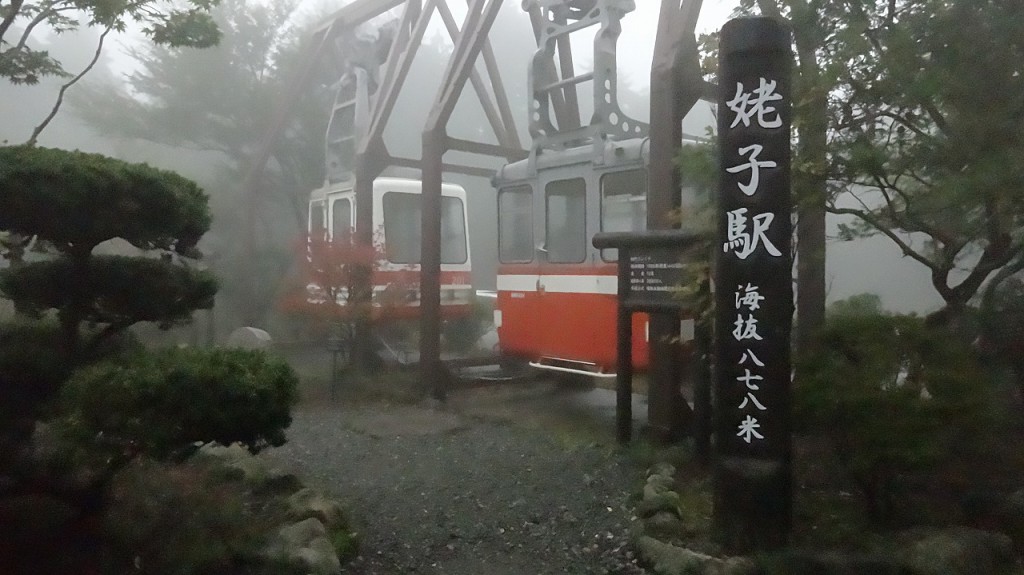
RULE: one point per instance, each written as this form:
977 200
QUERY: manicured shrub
171 519
893 397
161 403
33 366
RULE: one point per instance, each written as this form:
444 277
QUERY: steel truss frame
675 86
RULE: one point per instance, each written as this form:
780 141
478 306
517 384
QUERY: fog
874 265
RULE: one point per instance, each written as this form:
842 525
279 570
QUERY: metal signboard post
754 294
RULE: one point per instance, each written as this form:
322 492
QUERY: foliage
931 135
328 277
222 101
893 397
1001 326
163 21
860 305
33 366
161 403
698 168
925 136
185 519
73 201
323 291
115 290
22 61
76 200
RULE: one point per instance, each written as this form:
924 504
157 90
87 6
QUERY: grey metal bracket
554 84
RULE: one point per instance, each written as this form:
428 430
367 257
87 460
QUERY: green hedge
893 397
161 403
34 365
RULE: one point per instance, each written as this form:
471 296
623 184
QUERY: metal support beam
501 95
384 104
490 110
512 154
356 13
470 42
446 167
548 74
570 93
404 41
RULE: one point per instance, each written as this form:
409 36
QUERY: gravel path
450 492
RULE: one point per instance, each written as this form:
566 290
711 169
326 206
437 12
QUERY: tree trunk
809 186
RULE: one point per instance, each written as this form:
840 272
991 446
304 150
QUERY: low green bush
34 364
32 369
893 397
160 404
170 519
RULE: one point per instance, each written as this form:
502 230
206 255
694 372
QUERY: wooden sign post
753 288
652 278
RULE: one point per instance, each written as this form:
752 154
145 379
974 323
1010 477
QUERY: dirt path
503 481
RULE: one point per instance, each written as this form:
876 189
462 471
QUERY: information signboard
657 277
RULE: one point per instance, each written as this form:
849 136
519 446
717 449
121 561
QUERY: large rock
319 557
658 502
306 543
664 525
663 468
668 559
232 452
308 502
301 533
958 551
658 484
250 338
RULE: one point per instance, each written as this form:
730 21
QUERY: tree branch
39 19
936 116
769 8
993 258
1002 275
60 95
14 9
874 222
106 333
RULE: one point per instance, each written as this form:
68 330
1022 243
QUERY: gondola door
563 230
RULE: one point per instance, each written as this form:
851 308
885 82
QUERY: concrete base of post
753 506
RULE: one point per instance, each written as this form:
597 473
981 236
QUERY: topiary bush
161 403
893 397
34 365
72 202
185 518
32 368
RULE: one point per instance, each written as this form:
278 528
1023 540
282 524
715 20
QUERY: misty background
201 112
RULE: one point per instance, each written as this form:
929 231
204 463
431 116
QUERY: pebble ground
449 491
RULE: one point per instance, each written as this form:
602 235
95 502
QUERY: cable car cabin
557 298
397 223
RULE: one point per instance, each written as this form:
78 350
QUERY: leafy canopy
923 126
929 134
75 200
114 290
161 403
163 21
220 101
72 201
